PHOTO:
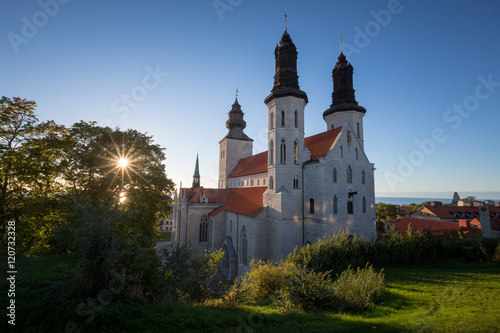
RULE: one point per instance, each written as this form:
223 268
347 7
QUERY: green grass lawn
165 237
440 297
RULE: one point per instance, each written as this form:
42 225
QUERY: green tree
470 198
385 213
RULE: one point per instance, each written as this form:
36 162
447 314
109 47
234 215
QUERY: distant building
438 228
298 191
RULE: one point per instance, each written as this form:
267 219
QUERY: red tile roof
318 145
251 165
462 212
424 225
213 194
246 201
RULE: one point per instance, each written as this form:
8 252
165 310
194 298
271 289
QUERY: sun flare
122 162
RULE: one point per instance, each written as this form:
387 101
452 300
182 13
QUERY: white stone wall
230 152
353 118
257 180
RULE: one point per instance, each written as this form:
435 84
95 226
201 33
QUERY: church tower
285 105
344 108
196 175
235 145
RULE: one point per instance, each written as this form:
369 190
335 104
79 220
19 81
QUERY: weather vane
285 19
236 93
341 42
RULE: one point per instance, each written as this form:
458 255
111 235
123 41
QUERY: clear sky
426 71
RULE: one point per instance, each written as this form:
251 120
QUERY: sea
406 201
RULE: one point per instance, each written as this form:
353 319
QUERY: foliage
496 256
263 281
385 213
426 203
470 198
443 297
190 277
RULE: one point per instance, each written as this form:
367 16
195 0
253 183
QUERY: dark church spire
196 176
286 80
343 90
235 123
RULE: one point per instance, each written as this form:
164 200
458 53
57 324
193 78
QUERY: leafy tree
385 213
470 198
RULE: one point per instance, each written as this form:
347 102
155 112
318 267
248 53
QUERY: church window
357 130
271 182
271 120
271 153
282 118
244 246
296 152
349 174
258 182
356 154
283 152
341 152
251 182
335 205
363 177
296 119
311 206
334 175
204 228
333 127
350 207
296 183
364 205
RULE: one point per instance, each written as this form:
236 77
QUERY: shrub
496 256
263 281
190 277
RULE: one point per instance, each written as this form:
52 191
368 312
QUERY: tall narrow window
334 175
357 130
356 154
364 205
311 206
271 120
363 178
204 228
349 174
282 118
283 152
296 119
271 182
244 246
350 207
335 205
296 152
341 152
296 183
271 153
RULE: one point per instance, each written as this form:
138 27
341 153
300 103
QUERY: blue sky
426 71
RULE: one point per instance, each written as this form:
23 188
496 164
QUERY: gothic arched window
335 205
311 206
334 175
356 154
296 183
271 120
271 182
349 174
296 119
341 152
296 152
204 228
283 152
282 118
271 153
357 128
244 246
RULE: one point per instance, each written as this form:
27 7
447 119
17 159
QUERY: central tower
285 105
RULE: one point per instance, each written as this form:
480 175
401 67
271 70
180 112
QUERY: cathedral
298 191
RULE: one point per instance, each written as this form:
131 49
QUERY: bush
353 290
263 281
496 256
190 277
